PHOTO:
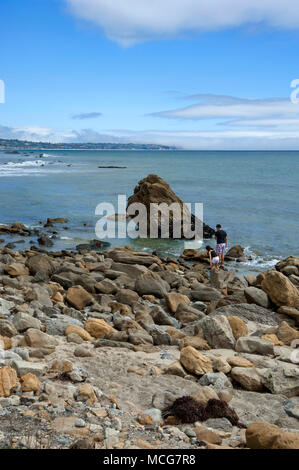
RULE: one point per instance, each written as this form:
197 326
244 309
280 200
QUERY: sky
198 74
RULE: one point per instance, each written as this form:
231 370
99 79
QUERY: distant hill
10 144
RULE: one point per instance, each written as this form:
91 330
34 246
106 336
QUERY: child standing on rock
213 257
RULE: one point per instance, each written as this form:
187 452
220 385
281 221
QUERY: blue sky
198 74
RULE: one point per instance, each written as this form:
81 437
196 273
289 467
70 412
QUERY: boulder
30 383
151 284
217 332
97 328
290 312
287 334
22 321
16 269
194 362
85 393
7 329
78 297
106 287
220 279
37 339
25 367
205 394
283 379
215 379
261 435
78 330
120 255
220 365
127 296
205 294
257 296
176 368
248 378
159 335
250 312
254 345
8 381
174 299
280 290
40 264
238 327
154 190
236 251
238 361
196 342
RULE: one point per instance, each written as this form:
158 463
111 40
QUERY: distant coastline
24 145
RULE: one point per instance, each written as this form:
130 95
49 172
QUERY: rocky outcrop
107 340
155 190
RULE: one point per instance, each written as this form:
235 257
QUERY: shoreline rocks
107 339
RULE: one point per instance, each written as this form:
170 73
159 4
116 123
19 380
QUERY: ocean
253 195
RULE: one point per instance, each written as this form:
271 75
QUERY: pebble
80 423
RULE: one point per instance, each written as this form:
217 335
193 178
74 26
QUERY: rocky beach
121 349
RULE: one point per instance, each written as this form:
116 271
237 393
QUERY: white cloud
247 139
132 21
229 107
245 124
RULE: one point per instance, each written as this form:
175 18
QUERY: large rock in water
154 190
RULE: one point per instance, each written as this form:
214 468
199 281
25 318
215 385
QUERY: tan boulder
272 338
16 269
86 392
5 342
30 383
290 311
62 366
37 339
238 326
174 332
184 316
220 365
197 342
205 394
248 378
174 300
78 297
176 368
194 362
280 289
8 381
78 330
238 361
207 435
58 298
286 333
260 435
98 328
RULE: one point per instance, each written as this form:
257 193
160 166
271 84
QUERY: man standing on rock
221 237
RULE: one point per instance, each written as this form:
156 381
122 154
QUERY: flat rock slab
251 312
25 367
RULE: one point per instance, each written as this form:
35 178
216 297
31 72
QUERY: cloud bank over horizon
134 21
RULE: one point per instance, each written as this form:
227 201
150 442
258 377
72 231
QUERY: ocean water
254 195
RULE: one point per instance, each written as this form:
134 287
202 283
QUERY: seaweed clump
189 410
